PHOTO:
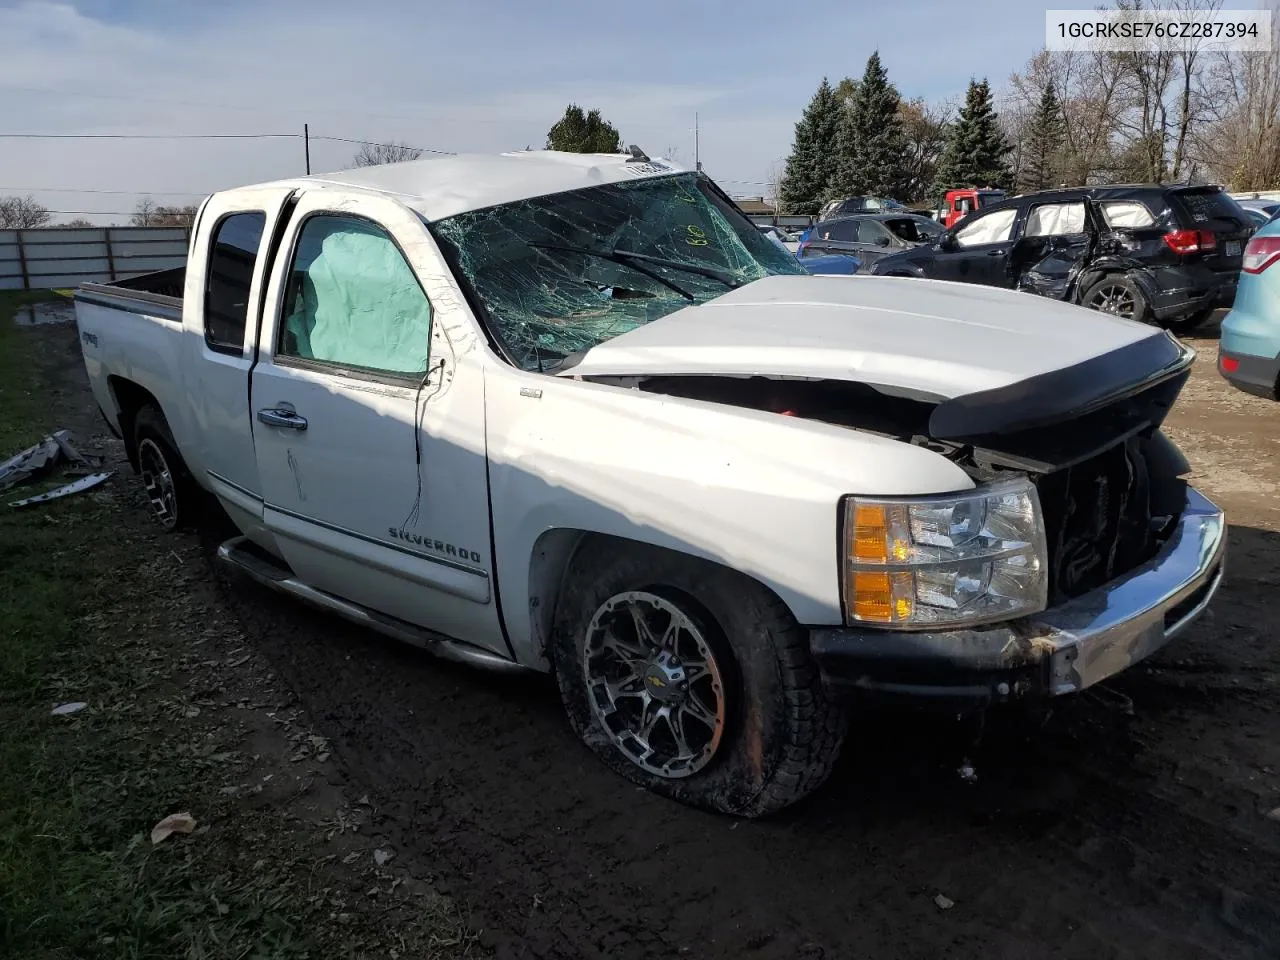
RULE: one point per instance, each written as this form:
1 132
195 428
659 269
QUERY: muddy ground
1106 832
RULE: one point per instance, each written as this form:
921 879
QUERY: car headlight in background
953 560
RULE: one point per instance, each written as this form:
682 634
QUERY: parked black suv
1158 254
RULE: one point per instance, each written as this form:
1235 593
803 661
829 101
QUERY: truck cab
960 203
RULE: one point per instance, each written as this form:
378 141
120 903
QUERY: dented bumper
1062 650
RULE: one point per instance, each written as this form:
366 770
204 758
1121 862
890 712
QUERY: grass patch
19 407
97 609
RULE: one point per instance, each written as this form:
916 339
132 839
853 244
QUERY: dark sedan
868 236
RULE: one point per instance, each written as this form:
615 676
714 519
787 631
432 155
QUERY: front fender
755 491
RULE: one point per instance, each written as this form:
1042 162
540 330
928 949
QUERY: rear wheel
170 490
692 680
1118 296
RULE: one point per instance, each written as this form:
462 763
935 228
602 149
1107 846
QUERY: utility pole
697 163
306 139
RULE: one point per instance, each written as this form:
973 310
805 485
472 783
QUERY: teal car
1249 350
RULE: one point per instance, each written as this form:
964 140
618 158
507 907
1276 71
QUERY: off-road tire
152 438
1141 309
782 735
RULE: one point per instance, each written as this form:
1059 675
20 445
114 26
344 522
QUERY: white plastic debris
943 902
383 857
63 709
174 823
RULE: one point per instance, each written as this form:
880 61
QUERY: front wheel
1118 296
692 680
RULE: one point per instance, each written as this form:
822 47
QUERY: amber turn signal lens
870 534
876 600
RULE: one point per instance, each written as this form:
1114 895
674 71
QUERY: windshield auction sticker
1222 31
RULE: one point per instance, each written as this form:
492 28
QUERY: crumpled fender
1140 275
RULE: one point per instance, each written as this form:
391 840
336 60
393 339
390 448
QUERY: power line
151 136
125 193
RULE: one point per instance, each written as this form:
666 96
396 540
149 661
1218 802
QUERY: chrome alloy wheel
157 480
654 684
1115 299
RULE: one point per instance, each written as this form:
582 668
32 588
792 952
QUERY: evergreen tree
1045 136
813 153
976 151
870 144
579 132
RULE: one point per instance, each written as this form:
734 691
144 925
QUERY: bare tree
376 154
22 213
924 134
144 213
1240 144
78 222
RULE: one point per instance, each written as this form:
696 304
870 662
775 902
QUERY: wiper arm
728 279
619 258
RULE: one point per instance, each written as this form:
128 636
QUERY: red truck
963 202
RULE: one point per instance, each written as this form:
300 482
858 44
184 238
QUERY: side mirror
882 241
947 242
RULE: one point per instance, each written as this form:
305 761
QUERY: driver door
981 251
368 444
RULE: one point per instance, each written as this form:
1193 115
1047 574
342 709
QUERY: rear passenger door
227 273
1056 242
873 241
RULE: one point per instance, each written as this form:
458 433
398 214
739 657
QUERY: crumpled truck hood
993 361
931 338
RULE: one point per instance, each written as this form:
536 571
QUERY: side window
232 258
1056 219
871 232
1120 214
353 301
987 228
845 231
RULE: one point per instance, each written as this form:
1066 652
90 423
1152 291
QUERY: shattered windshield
562 273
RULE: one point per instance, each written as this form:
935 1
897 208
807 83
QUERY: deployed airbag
357 302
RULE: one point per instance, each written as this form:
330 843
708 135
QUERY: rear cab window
233 256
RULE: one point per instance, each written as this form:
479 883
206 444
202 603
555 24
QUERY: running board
245 556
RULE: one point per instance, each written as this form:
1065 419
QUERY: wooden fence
59 257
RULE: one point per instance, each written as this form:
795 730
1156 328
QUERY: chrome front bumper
1104 632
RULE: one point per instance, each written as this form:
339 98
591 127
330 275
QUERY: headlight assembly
954 560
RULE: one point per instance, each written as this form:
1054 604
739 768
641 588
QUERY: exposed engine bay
1110 483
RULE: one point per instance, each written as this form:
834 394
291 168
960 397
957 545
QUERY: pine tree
976 151
579 132
1045 136
813 153
870 143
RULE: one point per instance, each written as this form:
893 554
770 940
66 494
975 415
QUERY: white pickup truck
575 413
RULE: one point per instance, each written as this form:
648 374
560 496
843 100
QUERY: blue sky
479 75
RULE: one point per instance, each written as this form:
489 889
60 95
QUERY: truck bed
153 294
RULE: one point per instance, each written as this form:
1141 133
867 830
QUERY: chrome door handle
274 417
